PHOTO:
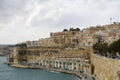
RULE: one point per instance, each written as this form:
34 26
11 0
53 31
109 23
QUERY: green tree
71 29
22 45
114 47
101 48
77 29
65 30
104 48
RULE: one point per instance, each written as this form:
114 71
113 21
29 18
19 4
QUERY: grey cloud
10 8
39 16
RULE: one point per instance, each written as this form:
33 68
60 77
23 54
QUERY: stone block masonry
105 68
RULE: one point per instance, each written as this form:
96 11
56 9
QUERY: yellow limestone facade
71 50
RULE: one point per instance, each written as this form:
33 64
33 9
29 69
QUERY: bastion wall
105 68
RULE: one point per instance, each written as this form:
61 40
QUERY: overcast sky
22 20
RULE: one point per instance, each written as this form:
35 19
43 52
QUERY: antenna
110 20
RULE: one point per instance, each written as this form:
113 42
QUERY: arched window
92 69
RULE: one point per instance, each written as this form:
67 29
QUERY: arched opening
92 69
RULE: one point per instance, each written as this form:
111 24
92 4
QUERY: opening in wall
118 75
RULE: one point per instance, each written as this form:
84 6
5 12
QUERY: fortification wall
105 68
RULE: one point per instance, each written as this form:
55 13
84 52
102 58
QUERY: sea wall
105 68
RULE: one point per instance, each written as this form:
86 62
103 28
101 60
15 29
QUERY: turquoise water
10 73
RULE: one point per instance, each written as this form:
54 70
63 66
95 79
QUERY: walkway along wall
105 68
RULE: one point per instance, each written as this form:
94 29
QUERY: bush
22 45
101 48
104 48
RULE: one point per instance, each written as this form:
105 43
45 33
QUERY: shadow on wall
118 75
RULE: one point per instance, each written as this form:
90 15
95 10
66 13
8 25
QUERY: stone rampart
105 68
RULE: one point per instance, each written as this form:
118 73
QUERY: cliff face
105 68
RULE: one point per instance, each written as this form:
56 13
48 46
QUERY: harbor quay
53 60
